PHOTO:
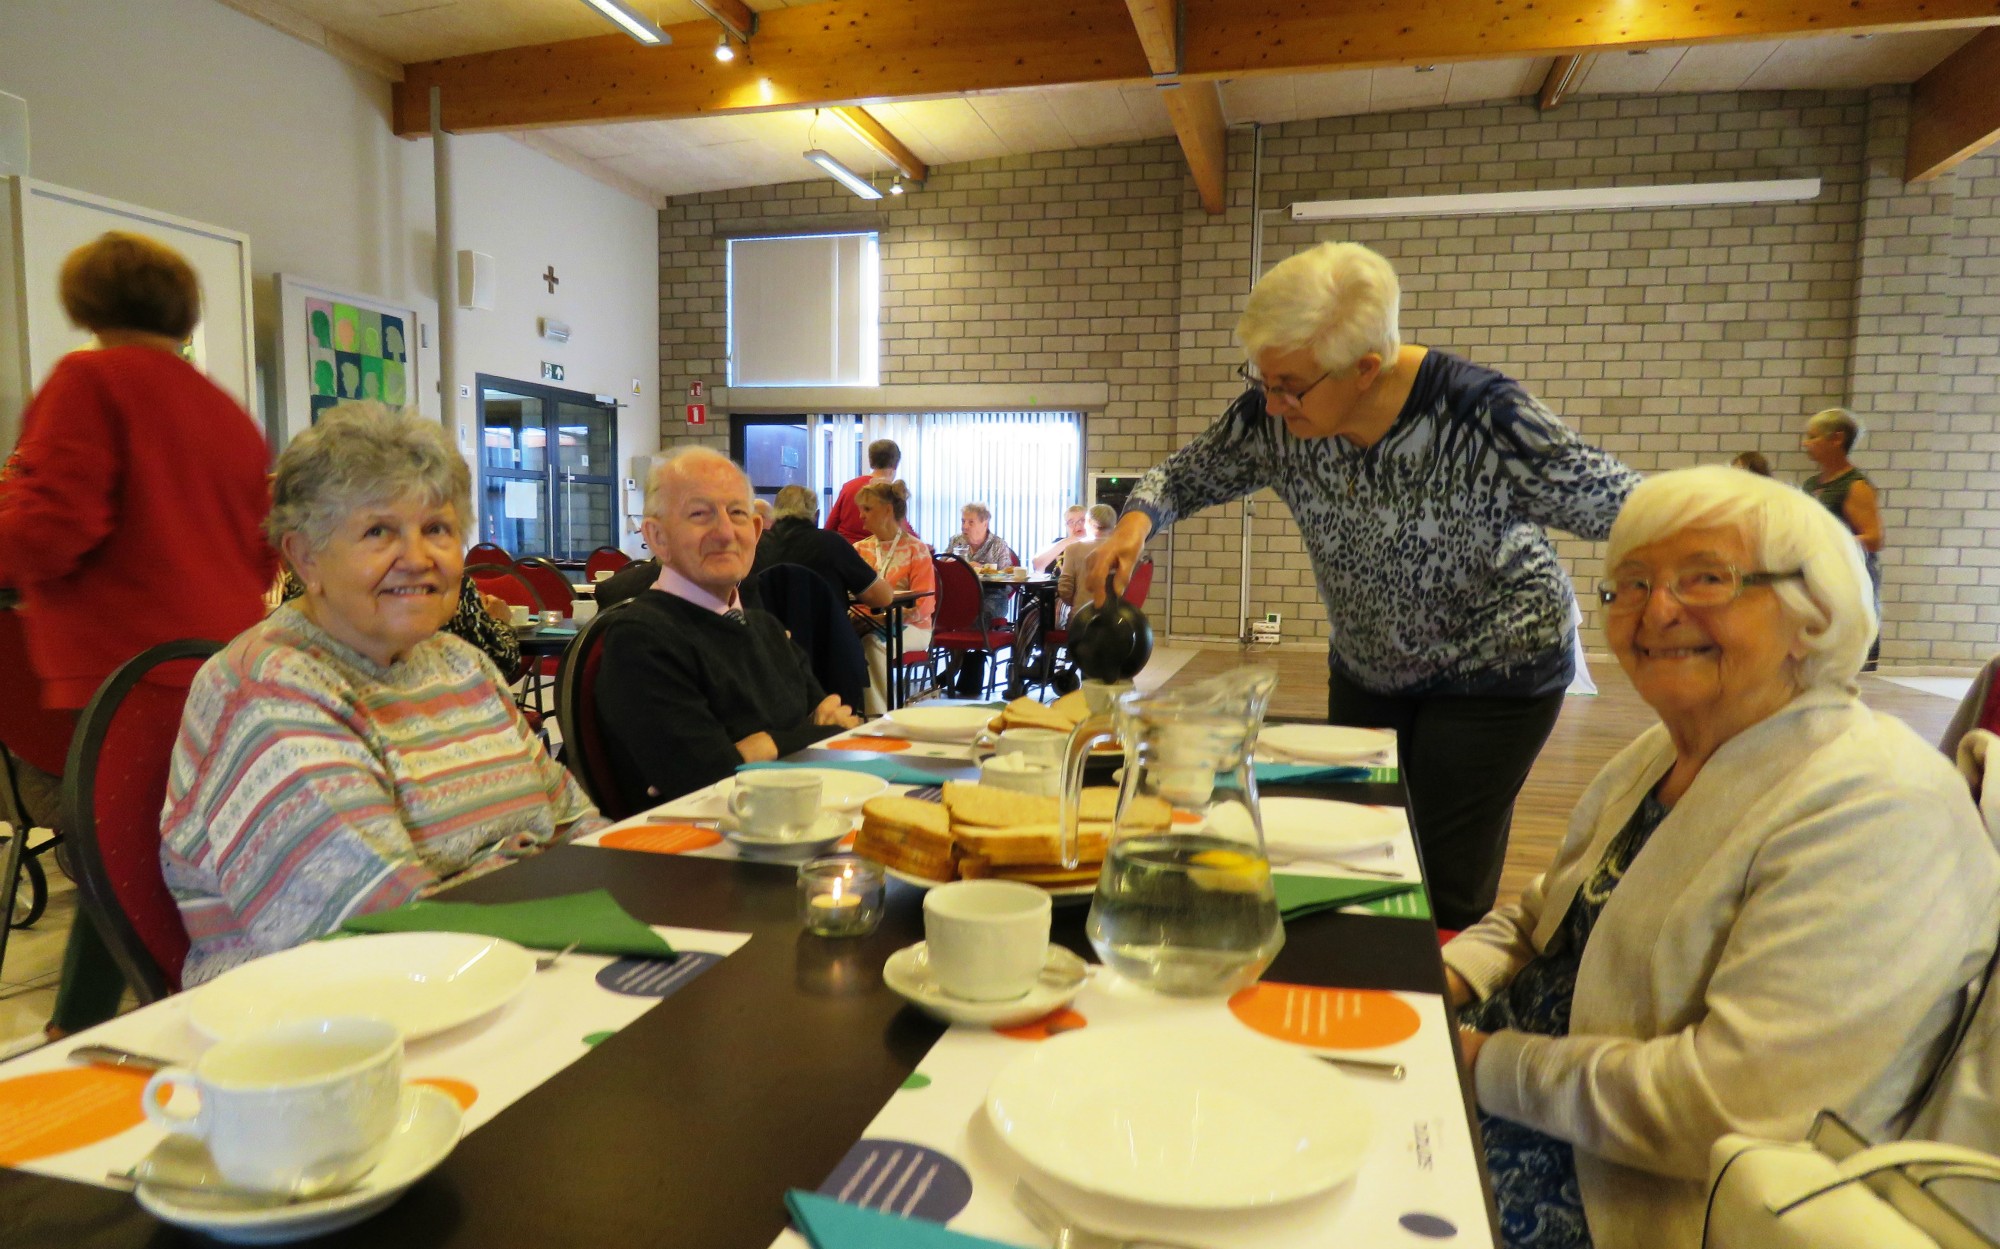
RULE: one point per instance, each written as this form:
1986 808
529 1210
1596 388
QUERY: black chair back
817 621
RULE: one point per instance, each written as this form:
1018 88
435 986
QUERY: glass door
547 460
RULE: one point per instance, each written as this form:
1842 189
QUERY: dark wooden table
685 1128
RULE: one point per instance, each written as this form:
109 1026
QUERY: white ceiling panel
1844 61
1473 82
1267 98
1405 87
1332 95
1717 66
1627 73
943 132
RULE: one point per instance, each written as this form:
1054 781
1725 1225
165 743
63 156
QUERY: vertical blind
1025 466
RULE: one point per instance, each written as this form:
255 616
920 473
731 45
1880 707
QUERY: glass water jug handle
1082 740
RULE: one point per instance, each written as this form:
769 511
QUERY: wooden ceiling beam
858 51
1955 109
1194 107
738 18
1563 78
1236 37
878 136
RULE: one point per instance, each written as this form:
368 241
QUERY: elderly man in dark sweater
692 684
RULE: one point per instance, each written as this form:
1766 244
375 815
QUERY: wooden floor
1590 732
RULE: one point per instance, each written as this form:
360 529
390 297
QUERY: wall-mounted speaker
475 280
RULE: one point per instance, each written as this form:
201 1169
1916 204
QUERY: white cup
775 802
302 1108
1022 774
581 611
602 574
521 614
987 939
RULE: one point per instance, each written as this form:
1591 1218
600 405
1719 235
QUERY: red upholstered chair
960 627
488 553
1055 642
604 559
507 584
549 583
576 712
113 788
1141 582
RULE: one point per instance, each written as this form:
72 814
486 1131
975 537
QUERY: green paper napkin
1306 895
593 920
1319 773
830 1224
888 769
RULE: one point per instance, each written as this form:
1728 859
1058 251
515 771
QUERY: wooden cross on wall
551 278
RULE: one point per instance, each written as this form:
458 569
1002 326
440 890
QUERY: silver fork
1071 1235
547 961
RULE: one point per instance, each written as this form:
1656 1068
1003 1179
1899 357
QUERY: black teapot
1110 643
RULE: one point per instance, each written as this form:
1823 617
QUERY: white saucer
908 972
1061 893
828 829
427 1126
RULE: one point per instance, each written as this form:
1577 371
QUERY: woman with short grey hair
1423 486
1707 952
345 755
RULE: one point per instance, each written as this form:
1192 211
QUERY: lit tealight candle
842 896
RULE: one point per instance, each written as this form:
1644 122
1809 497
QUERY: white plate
942 724
1059 893
422 982
1327 743
908 973
1167 1117
840 789
829 828
1305 825
427 1126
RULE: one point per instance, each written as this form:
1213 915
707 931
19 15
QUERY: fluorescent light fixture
1583 199
633 24
842 174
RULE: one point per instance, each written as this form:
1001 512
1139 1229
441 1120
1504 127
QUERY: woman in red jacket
131 511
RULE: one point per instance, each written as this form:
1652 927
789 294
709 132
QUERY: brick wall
1670 337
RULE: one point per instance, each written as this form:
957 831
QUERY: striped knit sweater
310 784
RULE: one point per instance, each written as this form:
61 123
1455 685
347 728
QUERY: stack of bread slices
979 831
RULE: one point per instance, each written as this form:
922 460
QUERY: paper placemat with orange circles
929 1154
80 1122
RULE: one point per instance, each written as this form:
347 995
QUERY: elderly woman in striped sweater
345 755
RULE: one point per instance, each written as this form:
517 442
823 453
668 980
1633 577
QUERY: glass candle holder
840 895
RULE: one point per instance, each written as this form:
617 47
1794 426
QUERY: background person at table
905 566
1773 902
1069 577
692 683
796 538
884 457
1842 490
131 510
1075 526
344 755
978 545
1752 462
1421 484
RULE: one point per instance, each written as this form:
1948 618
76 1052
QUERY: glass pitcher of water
1184 904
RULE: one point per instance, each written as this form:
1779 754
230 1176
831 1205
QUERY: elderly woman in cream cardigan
1774 901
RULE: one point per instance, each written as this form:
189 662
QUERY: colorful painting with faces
355 353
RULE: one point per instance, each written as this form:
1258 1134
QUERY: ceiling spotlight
896 187
723 52
631 22
842 174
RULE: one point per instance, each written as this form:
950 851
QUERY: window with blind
803 310
1026 466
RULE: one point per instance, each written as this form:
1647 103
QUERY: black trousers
1464 758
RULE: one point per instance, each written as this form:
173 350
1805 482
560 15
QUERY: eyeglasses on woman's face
1699 585
1271 392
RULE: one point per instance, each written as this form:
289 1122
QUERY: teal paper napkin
1306 895
593 920
1319 774
830 1224
888 769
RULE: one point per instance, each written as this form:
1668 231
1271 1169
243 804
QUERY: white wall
195 109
